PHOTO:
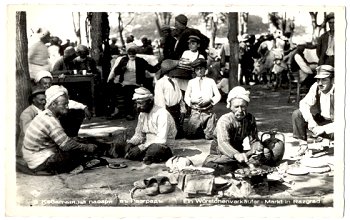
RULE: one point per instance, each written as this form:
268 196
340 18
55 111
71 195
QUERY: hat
330 16
193 38
168 65
237 92
324 71
132 50
181 19
53 93
82 48
41 74
142 94
200 62
69 51
35 91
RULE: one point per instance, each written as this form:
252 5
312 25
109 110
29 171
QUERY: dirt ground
110 187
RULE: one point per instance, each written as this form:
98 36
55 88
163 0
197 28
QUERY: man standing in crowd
325 46
167 42
38 54
155 131
316 109
167 94
131 71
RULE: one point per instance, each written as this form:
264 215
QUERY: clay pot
275 145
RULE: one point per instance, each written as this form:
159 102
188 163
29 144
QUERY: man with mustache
316 109
227 152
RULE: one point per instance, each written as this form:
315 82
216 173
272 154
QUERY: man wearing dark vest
316 109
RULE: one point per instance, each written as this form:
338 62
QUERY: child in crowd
201 95
184 72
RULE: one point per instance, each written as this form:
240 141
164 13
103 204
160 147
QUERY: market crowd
185 82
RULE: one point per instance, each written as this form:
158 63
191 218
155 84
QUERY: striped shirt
230 133
158 126
42 139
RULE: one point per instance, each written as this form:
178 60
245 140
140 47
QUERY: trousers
300 125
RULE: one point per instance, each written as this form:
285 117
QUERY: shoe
147 186
165 186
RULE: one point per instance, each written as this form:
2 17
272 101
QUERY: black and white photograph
117 107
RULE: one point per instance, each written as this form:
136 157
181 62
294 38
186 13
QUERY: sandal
148 187
117 165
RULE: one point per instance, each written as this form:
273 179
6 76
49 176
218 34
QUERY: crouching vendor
155 131
227 152
46 146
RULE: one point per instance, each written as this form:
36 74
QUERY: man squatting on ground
155 131
46 147
227 152
316 109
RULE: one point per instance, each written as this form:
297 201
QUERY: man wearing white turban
46 147
227 152
155 131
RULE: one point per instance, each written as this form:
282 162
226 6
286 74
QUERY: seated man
37 103
83 62
155 131
201 95
227 152
316 109
43 79
64 65
46 147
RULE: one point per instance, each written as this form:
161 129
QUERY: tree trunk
96 36
234 48
76 25
22 69
214 29
121 28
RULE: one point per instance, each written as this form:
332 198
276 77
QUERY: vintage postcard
175 110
